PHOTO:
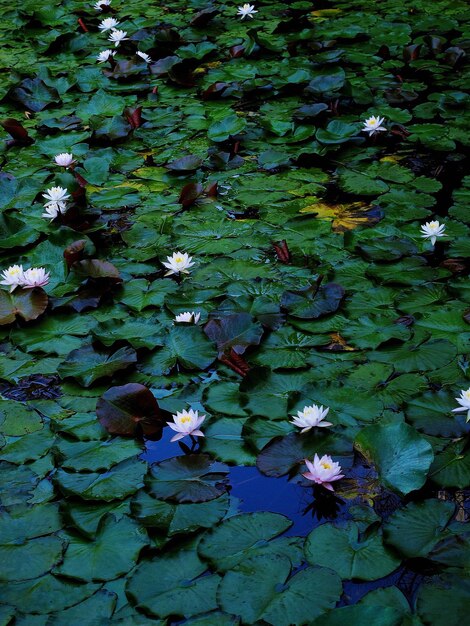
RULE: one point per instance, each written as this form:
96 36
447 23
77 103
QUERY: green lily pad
87 364
352 556
260 589
119 482
30 560
233 540
191 478
401 456
172 585
112 553
415 530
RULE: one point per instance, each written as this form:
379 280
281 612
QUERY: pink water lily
323 471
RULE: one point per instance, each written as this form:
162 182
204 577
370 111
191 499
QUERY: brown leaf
123 410
190 193
26 303
74 252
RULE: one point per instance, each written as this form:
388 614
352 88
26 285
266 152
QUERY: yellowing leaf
345 216
326 12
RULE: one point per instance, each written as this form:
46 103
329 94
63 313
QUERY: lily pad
122 410
112 553
172 585
191 478
229 543
351 555
260 589
401 456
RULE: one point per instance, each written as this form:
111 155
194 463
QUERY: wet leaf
123 410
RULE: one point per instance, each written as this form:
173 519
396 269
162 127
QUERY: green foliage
240 144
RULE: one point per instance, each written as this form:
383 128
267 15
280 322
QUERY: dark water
305 506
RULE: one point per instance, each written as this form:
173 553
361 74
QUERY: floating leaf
112 553
353 557
236 331
346 217
259 589
314 301
401 456
416 529
172 585
283 454
45 594
30 560
226 127
28 304
191 478
123 410
234 539
119 482
87 364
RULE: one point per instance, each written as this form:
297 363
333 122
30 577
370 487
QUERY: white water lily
53 209
247 10
374 125
144 56
190 318
56 194
100 3
108 24
323 471
64 159
464 401
186 423
433 230
12 277
35 277
311 416
178 262
105 55
117 36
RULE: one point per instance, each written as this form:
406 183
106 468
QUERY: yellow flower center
433 224
467 394
185 419
326 465
178 259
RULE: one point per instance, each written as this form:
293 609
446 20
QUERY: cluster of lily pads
235 403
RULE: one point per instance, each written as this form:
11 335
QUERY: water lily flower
53 209
247 10
144 56
117 36
186 423
12 277
64 159
98 6
178 262
56 194
311 416
108 23
35 277
433 230
323 471
373 125
104 55
464 401
190 318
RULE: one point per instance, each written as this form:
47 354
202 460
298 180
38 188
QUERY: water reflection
306 506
